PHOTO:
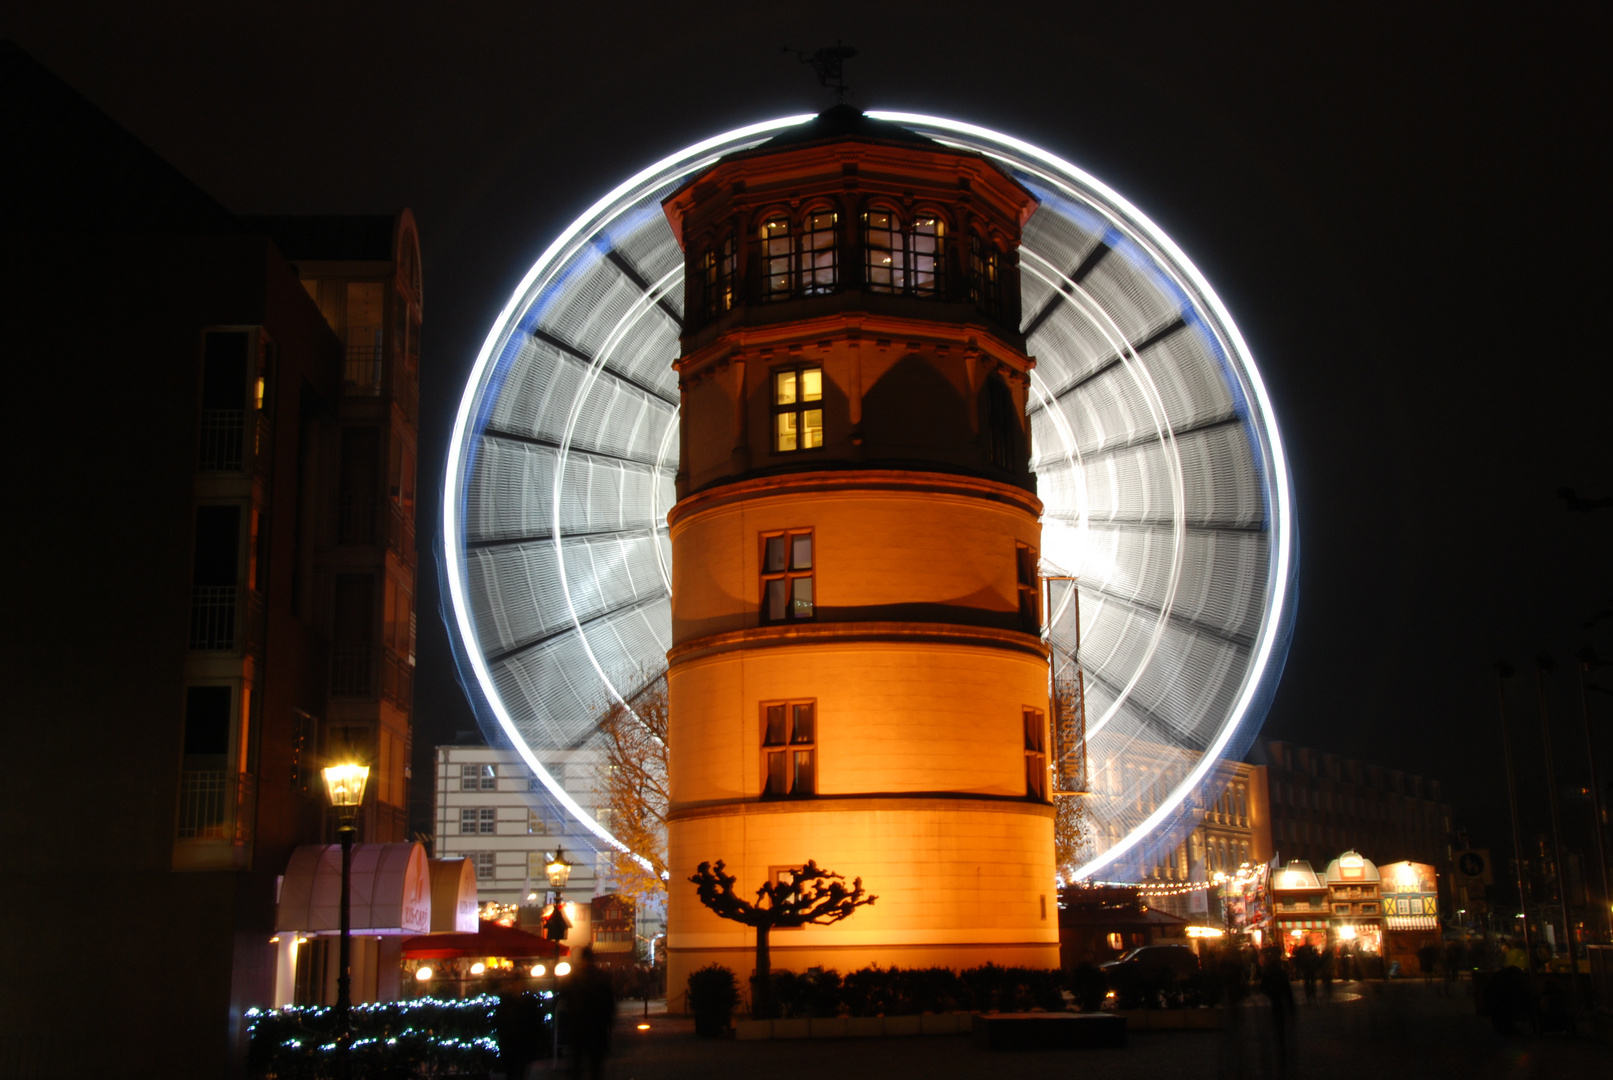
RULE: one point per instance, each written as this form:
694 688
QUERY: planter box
1166 1019
944 1023
792 1029
826 1027
1206 1019
1048 1031
748 1030
902 1025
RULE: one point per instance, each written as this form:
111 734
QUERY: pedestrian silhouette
590 1012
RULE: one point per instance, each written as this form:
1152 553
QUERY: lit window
797 409
789 748
535 824
819 264
1030 608
1035 755
787 594
903 260
717 278
778 258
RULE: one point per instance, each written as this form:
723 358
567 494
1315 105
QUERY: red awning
490 939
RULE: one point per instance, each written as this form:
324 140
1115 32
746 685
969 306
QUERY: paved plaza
1400 1031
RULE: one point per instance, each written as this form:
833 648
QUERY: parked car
1179 960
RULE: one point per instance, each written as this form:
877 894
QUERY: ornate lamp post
345 785
556 926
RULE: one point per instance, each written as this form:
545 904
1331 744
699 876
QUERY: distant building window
717 279
797 409
485 861
478 821
789 748
478 778
535 824
787 572
1035 755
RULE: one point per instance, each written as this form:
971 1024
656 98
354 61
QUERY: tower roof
843 123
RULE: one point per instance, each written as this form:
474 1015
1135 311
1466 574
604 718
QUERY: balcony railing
216 804
400 534
222 440
364 371
397 681
352 669
355 519
212 617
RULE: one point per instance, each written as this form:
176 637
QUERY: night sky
1404 212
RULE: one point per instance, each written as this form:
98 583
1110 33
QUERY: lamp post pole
345 785
1503 672
556 927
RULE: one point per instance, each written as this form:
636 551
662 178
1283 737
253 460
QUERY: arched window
985 283
926 255
820 267
717 279
777 244
1001 422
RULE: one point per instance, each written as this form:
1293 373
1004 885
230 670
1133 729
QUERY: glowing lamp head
423 974
345 784
558 869
562 968
477 968
539 971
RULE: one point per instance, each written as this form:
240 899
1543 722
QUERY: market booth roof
490 939
390 882
453 895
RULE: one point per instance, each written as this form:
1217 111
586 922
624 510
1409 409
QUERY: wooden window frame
789 571
1034 726
799 408
785 748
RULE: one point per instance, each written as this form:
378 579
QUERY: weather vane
827 63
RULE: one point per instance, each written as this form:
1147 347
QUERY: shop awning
391 890
453 895
490 939
1411 922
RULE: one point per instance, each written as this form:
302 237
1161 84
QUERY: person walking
1280 993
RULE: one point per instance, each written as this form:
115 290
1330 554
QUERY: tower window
1030 607
717 279
1001 422
778 258
820 269
903 260
985 284
1035 755
789 748
797 409
787 577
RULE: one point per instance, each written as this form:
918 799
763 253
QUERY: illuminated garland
454 1034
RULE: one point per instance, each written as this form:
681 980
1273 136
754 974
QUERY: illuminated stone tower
857 674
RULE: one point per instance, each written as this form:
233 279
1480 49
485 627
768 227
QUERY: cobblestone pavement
1400 1031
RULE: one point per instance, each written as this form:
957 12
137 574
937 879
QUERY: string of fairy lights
483 1004
1245 875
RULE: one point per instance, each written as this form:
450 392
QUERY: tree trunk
762 1006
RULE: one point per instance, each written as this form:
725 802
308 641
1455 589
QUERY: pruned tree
1071 834
632 785
807 896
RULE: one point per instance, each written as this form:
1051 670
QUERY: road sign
1474 864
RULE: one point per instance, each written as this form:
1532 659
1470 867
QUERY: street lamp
556 926
345 785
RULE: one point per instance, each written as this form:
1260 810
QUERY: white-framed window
475 821
535 824
478 778
485 861
789 748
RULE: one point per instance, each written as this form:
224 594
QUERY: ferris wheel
1167 497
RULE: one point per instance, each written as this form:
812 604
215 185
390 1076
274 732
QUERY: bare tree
632 785
1071 834
806 896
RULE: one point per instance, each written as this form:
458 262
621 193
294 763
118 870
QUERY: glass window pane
812 384
803 723
801 604
784 431
784 388
777 594
777 780
773 558
800 552
775 726
804 781
811 428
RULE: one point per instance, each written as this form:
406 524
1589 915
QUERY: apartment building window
797 409
485 861
1035 755
224 398
352 651
787 594
1030 606
481 821
789 748
478 778
358 485
215 578
535 824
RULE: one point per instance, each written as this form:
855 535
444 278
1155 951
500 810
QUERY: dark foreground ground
1401 1031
